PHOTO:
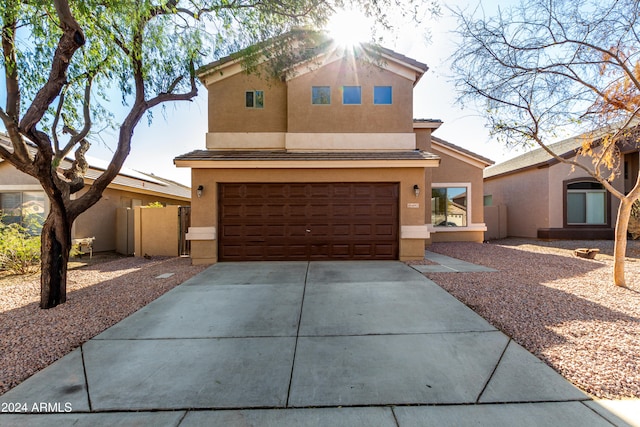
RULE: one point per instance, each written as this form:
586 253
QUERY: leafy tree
549 66
63 60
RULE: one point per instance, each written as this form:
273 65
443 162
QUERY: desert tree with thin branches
547 67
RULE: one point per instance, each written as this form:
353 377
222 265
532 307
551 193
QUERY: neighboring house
548 199
325 162
21 194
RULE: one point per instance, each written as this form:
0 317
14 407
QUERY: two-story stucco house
324 162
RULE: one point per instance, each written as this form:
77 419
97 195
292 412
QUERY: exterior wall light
416 190
199 191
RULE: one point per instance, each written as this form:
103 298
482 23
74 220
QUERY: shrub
19 249
634 220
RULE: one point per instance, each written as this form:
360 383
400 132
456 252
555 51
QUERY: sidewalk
298 343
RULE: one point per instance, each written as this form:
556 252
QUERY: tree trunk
620 245
56 244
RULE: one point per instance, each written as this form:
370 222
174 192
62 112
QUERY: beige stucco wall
227 110
10 176
204 211
457 236
423 139
526 195
156 231
336 117
288 108
99 221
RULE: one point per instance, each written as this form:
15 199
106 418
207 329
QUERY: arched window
586 203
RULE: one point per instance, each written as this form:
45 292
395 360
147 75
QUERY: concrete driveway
305 344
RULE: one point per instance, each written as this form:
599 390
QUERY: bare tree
550 66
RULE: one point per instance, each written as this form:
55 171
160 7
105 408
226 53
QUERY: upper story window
351 95
382 95
586 203
321 95
254 99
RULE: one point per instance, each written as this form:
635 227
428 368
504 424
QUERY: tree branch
78 136
71 40
170 96
56 120
9 20
76 172
19 147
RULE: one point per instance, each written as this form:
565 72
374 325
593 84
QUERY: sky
181 127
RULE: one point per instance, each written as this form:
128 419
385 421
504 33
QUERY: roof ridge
321 43
463 150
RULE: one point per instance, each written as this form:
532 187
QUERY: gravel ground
98 296
563 309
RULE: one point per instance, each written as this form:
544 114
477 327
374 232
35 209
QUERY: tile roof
259 155
536 158
127 177
567 148
462 150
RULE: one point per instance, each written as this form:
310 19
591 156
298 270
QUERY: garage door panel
341 191
231 191
362 249
383 210
296 211
299 231
384 250
385 230
231 231
273 210
363 210
231 211
341 230
345 221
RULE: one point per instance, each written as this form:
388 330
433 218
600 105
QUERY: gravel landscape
563 309
98 296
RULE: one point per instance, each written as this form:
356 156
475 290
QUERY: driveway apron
303 343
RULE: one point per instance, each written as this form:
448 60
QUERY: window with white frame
449 206
586 203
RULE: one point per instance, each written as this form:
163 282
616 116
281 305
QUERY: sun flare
349 28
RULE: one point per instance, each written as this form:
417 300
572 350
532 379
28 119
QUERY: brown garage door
313 221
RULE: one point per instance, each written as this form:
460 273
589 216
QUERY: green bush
19 249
